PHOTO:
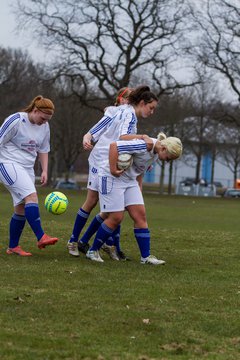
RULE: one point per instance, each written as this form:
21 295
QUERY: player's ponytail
141 93
43 104
173 145
161 136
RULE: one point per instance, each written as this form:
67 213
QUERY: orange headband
121 95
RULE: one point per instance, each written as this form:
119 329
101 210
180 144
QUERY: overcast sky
9 37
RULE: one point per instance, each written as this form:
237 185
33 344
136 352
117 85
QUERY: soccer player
122 124
119 191
23 136
92 136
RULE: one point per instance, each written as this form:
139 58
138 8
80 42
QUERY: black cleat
122 256
83 247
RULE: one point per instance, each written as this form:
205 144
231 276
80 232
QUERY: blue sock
80 221
116 238
103 233
143 239
93 227
16 226
109 241
33 217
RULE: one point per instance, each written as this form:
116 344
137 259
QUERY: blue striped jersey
142 158
21 141
123 122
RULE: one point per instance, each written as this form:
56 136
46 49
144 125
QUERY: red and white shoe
46 240
18 251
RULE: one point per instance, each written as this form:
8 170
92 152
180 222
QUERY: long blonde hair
43 104
173 145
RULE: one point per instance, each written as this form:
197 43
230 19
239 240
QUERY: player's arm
144 137
140 181
43 158
100 127
134 146
9 129
95 132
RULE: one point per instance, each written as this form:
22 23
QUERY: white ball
124 161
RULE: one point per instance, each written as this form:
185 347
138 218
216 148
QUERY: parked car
220 189
69 185
232 193
188 181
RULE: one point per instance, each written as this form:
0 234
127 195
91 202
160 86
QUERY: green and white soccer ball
56 203
124 161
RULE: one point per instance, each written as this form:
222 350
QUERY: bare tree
230 151
105 45
203 126
19 81
70 122
218 42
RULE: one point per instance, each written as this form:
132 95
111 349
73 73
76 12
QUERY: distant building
181 171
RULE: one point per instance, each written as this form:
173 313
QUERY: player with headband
23 136
75 245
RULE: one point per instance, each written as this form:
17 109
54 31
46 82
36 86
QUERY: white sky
9 37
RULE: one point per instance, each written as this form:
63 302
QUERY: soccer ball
56 203
124 161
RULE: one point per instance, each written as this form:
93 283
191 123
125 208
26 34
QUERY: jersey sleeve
9 128
98 129
132 147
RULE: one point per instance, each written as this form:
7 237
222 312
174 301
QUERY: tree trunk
161 181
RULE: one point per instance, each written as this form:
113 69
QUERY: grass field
55 307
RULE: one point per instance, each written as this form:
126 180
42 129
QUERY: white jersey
100 127
117 193
142 158
21 141
122 123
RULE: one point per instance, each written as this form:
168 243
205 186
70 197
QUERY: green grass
55 307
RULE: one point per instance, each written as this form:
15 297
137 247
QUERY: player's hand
87 142
44 178
116 172
148 141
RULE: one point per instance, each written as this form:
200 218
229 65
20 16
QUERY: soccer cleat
83 247
73 248
94 256
46 240
111 251
152 260
18 251
122 256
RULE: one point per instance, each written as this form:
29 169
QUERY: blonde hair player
125 192
23 136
